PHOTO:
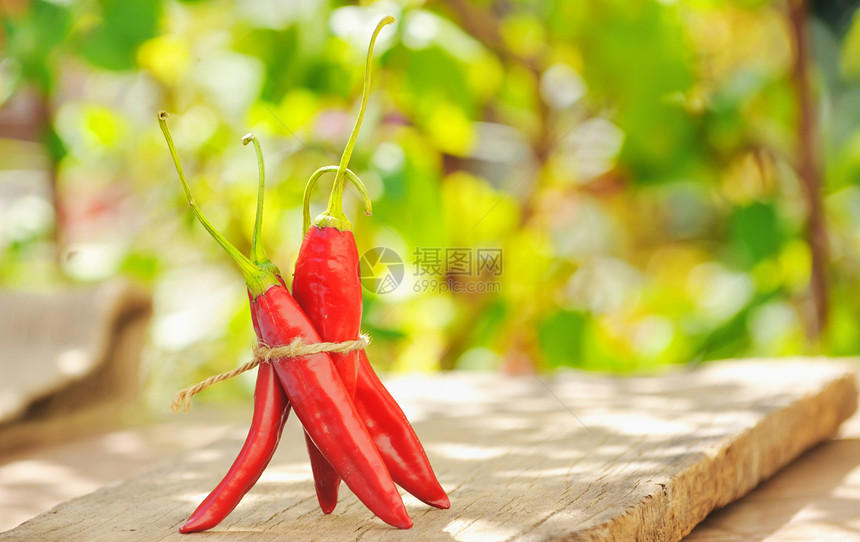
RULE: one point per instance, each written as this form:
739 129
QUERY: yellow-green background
635 161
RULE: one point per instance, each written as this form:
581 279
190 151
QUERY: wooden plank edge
781 437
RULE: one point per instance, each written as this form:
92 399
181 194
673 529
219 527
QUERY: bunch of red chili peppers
354 429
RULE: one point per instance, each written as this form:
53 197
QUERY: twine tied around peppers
264 353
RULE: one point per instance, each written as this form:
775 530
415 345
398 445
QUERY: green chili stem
335 202
256 278
258 253
353 178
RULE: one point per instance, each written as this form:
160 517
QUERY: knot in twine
264 353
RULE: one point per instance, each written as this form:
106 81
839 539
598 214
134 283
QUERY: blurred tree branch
808 164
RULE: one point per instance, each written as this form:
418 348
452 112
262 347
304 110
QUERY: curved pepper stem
353 178
258 279
333 216
258 252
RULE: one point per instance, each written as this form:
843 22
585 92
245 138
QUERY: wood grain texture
575 457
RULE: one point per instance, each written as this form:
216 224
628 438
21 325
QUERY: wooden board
577 457
817 497
55 339
66 359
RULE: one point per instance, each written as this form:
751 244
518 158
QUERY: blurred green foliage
634 162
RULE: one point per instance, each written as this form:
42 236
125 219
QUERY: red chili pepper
311 383
321 278
326 271
395 438
327 286
271 409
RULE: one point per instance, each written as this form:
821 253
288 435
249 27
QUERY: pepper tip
443 503
195 524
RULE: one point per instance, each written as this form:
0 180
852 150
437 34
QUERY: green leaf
33 38
755 232
112 43
561 337
425 70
